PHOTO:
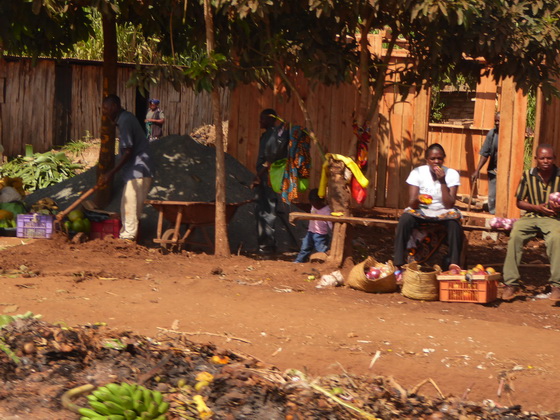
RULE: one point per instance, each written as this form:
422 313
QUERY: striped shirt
533 189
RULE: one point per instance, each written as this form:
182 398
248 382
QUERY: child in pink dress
318 232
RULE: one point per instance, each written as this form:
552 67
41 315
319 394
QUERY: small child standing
317 237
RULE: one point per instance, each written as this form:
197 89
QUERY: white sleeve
414 178
452 178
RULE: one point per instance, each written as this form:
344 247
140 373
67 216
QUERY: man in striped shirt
540 216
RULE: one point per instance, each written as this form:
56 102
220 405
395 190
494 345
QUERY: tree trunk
107 149
221 248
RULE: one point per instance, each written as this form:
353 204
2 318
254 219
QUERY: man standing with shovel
134 160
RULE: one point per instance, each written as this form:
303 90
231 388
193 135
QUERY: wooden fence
402 135
52 102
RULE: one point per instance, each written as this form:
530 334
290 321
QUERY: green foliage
528 152
77 147
34 28
133 45
531 110
40 170
203 71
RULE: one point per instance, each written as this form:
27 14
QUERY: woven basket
357 278
421 282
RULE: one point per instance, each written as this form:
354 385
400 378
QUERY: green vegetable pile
40 170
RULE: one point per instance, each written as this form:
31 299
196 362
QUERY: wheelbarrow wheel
169 246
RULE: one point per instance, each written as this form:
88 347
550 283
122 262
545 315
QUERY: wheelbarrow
189 214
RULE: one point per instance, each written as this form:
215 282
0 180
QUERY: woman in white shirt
432 191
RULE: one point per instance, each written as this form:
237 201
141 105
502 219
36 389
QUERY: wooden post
513 120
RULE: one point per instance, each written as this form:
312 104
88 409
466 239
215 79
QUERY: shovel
75 204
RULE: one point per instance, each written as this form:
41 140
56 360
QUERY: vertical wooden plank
510 160
384 147
394 152
485 102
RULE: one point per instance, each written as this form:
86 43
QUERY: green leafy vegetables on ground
40 170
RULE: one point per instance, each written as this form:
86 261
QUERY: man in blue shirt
134 160
489 153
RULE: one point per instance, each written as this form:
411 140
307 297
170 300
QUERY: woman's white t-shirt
421 177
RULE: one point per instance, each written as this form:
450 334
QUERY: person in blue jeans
318 232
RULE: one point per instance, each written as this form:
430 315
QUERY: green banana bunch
124 402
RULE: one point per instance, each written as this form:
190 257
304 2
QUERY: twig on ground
374 359
467 391
391 381
302 377
347 376
424 382
153 371
227 336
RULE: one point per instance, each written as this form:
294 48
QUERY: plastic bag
276 173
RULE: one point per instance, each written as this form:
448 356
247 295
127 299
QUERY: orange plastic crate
482 288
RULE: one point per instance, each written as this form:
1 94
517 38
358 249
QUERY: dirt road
271 310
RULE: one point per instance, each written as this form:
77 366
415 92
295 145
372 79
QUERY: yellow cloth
350 164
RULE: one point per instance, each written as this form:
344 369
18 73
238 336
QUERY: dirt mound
38 355
206 134
186 171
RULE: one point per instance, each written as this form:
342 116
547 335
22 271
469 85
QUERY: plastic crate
110 227
481 289
34 226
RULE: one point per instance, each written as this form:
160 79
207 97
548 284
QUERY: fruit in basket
67 226
373 273
75 215
425 198
454 269
478 269
490 270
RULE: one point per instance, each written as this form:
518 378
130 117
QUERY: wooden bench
339 247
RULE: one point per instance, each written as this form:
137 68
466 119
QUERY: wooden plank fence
39 102
26 110
53 102
402 134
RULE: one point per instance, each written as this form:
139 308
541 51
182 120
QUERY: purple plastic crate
34 225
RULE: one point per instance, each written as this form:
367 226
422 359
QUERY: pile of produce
478 270
379 271
11 194
77 222
192 381
45 206
502 223
39 170
15 183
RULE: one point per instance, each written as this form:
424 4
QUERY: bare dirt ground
269 309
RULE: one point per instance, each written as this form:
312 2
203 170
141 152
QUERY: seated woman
432 193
